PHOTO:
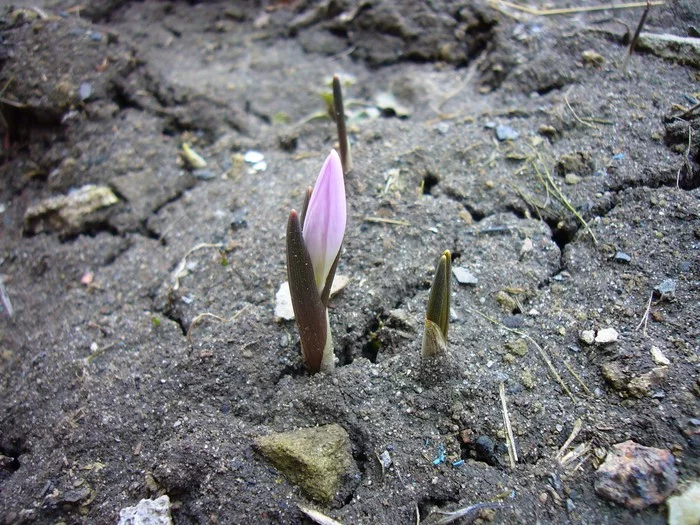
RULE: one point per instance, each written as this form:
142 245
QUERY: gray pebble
85 91
506 133
464 276
204 174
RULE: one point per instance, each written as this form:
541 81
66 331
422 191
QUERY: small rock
318 460
667 289
684 50
506 301
402 320
203 174
85 91
518 347
587 337
147 512
606 336
641 386
69 214
283 298
614 375
622 257
504 133
253 157
636 476
389 105
464 276
578 162
513 321
572 179
526 248
527 380
547 130
283 303
658 356
685 509
591 58
385 459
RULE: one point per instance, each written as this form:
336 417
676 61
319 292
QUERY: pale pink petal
324 223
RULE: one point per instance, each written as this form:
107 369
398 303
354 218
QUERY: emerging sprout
312 257
437 318
343 141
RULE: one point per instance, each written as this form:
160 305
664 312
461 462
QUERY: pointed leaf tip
309 312
440 294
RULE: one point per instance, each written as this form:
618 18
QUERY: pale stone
685 509
147 512
606 336
658 356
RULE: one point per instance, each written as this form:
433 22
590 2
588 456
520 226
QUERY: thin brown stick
344 144
633 42
686 158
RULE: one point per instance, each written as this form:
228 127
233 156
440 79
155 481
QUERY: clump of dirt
139 350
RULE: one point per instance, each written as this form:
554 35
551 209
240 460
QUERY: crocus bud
324 221
312 257
437 318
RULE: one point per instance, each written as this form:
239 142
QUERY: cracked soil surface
113 385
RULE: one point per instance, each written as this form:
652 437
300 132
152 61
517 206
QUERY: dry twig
686 158
633 42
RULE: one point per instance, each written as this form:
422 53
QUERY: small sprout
312 257
155 321
437 318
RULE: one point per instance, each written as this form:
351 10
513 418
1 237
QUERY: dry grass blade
208 315
574 10
578 425
180 269
318 517
5 298
645 317
576 376
512 453
551 186
469 513
574 454
381 220
541 351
